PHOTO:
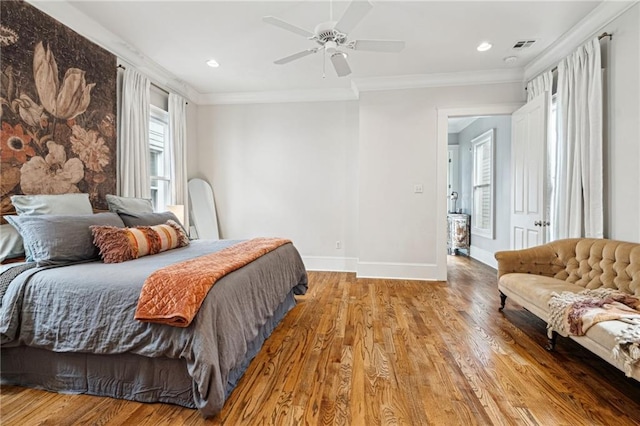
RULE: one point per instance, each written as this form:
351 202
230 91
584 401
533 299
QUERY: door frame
443 156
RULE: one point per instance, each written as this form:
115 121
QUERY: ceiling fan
332 37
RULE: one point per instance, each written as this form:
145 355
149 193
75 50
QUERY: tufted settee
531 276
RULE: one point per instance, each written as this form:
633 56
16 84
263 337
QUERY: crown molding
416 81
364 85
590 26
126 53
279 96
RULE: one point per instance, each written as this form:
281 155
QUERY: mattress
86 311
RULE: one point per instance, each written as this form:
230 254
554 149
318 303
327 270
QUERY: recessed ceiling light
510 59
213 63
484 46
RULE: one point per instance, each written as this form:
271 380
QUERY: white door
528 178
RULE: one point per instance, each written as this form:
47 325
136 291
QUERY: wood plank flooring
388 352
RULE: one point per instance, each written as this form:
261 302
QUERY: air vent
523 44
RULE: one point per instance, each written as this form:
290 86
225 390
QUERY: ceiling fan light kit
331 36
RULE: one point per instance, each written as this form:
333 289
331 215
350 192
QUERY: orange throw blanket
173 295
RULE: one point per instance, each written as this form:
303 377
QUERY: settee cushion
605 333
536 289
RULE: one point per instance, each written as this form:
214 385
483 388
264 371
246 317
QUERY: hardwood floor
369 352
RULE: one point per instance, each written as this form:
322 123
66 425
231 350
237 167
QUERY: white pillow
69 204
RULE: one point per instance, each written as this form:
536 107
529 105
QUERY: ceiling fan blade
339 61
379 45
295 56
287 26
353 15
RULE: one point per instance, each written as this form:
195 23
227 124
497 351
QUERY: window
482 212
159 159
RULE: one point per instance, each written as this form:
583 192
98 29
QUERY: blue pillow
52 204
59 239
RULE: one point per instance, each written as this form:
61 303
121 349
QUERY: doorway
482 248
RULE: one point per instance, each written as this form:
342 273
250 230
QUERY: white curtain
178 153
579 197
133 136
540 84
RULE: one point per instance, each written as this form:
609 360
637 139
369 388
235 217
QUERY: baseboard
400 271
326 263
484 256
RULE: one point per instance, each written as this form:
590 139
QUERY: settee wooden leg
551 344
503 299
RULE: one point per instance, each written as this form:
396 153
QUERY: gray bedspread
90 307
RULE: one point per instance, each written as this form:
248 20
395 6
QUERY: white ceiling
458 124
441 37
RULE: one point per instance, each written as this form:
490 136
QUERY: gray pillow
10 243
69 204
129 205
148 219
59 239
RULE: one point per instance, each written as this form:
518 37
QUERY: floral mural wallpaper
58 109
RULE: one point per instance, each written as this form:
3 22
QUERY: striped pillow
122 244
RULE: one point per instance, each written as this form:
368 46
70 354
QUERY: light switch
417 188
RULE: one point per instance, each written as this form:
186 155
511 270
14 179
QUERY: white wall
622 153
328 171
321 172
399 230
192 140
159 98
286 169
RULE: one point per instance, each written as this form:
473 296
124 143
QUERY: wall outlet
338 245
418 188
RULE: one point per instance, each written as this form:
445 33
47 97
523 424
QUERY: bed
71 327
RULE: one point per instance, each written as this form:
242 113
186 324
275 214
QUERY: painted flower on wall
66 101
7 36
90 147
30 112
52 174
15 144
